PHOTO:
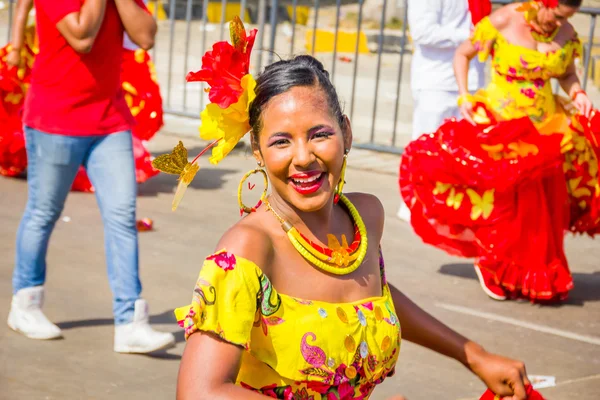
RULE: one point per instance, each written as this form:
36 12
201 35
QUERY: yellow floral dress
520 80
294 348
524 174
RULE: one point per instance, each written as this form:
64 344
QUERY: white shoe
404 213
26 315
138 336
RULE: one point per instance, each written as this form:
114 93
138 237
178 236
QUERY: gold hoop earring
263 196
342 181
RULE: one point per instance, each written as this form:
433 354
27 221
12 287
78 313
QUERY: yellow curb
213 13
346 42
162 15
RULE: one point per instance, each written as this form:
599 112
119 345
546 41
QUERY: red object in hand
532 394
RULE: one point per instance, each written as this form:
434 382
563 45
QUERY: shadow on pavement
585 290
207 178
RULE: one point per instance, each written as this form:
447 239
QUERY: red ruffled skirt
504 192
142 94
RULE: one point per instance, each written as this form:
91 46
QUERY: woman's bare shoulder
370 209
248 239
502 17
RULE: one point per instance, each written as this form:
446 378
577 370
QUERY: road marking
523 324
577 380
563 383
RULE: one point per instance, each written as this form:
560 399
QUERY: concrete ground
560 341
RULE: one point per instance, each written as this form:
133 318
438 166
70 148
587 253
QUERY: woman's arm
208 370
570 84
462 58
503 376
18 32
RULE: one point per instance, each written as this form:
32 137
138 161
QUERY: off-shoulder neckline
385 290
521 47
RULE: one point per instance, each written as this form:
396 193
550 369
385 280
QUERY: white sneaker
404 213
26 315
138 336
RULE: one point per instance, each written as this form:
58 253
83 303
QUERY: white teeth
307 180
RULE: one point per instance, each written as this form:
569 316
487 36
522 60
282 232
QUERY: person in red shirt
75 114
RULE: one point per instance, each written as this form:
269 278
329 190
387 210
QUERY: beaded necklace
336 259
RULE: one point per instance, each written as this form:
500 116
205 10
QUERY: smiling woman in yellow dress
294 303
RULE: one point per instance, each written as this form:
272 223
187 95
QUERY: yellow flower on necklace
229 124
339 252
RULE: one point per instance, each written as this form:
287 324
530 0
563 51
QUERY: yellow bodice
294 347
520 82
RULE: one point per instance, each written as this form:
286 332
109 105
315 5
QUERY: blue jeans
53 161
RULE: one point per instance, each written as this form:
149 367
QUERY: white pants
431 108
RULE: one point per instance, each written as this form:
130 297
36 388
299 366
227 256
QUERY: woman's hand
14 58
505 377
583 104
466 110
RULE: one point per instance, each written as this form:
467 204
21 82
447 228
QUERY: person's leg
111 169
432 107
53 161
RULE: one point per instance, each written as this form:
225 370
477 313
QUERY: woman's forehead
298 99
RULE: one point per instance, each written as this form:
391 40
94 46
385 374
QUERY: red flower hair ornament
224 67
225 120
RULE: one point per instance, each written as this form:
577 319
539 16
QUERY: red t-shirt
72 93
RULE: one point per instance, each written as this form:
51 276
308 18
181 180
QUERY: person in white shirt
437 28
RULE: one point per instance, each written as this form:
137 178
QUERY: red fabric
584 202
498 207
13 86
532 394
72 93
479 9
142 93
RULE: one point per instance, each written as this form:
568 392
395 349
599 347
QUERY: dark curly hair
571 3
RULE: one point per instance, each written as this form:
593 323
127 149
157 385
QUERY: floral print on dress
520 73
235 300
226 261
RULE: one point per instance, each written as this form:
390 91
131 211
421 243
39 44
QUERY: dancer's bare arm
463 56
139 24
503 376
208 370
209 365
570 83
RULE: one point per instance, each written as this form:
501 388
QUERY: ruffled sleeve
224 300
483 36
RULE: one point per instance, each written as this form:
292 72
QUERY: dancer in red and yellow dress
139 83
503 184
